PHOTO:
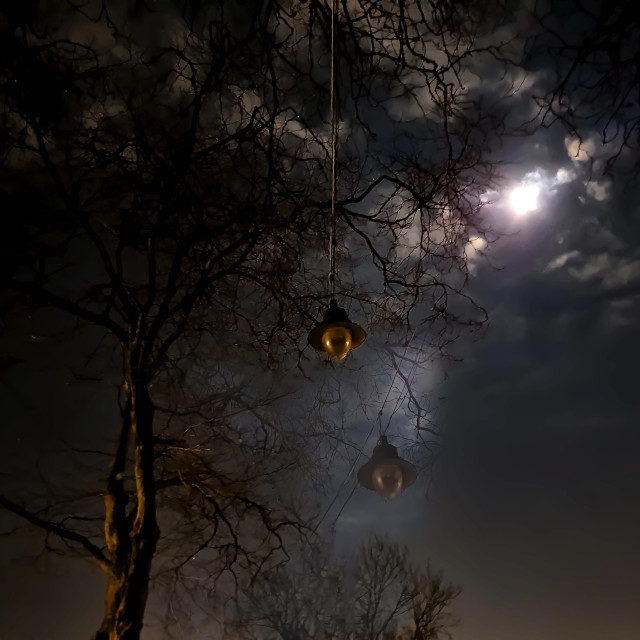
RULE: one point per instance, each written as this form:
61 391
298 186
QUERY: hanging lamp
336 335
386 472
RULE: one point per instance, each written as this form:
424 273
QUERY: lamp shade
336 335
386 472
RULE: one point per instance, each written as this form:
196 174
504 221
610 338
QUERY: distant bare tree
380 597
165 180
393 595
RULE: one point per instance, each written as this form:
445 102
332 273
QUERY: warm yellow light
387 480
336 341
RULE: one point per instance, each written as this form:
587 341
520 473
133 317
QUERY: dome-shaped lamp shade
386 472
336 335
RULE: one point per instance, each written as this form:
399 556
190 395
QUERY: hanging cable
336 335
393 380
332 270
409 378
334 138
342 484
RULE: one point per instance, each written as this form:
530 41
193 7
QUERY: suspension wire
382 431
332 223
409 379
357 458
344 504
332 271
410 376
384 404
334 138
342 484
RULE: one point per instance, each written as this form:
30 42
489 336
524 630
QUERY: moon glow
524 199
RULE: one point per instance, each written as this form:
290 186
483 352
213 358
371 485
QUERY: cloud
473 249
475 245
560 261
599 190
611 271
580 150
563 176
622 312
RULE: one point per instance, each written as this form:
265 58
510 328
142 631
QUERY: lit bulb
336 341
387 480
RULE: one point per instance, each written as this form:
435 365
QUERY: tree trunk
127 597
131 535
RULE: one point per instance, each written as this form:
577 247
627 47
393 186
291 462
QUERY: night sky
532 506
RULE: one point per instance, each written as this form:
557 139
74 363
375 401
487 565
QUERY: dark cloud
533 503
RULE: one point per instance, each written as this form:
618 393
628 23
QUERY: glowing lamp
336 341
386 472
336 335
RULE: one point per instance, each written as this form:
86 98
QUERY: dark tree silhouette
380 596
589 54
165 178
392 595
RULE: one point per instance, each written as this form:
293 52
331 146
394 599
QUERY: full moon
524 199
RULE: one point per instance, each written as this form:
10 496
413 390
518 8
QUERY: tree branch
62 532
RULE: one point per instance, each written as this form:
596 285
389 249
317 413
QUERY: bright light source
524 199
336 335
387 480
336 341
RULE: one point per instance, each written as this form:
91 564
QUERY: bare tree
393 596
165 179
380 596
304 598
589 55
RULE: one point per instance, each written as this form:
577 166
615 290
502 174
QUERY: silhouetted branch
59 530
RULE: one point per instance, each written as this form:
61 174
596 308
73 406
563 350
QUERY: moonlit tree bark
165 178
